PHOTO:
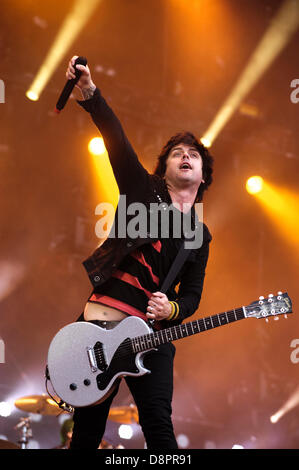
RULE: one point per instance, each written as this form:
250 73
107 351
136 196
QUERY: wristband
174 311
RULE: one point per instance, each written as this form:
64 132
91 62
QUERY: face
184 166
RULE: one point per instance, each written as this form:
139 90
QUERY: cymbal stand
26 432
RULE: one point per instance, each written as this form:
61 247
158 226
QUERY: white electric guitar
84 360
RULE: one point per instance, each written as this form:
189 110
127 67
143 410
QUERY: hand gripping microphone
69 86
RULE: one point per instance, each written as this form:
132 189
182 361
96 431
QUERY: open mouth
185 166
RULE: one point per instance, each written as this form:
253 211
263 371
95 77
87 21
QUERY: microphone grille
81 61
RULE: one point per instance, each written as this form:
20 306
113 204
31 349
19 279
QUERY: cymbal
124 414
41 404
8 445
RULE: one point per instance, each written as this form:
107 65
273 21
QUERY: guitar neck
151 340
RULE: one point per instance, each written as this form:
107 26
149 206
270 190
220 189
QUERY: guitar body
85 360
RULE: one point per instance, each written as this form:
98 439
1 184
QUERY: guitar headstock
280 304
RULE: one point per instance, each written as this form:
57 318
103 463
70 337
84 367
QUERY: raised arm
128 171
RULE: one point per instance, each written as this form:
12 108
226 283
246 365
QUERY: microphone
69 86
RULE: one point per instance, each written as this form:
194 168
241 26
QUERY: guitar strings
149 340
126 348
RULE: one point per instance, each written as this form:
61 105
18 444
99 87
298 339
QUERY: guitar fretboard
151 340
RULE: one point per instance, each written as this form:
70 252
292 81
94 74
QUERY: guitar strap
177 264
180 258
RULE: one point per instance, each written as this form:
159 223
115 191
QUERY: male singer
126 273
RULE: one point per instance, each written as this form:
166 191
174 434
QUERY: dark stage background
164 66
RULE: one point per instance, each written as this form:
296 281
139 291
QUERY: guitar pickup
100 356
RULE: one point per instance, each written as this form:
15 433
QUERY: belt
107 325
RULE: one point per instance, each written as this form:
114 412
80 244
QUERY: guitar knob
285 316
279 293
270 295
267 320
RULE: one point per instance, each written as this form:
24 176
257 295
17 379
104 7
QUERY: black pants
152 394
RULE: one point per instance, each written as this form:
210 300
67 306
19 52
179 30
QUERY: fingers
151 311
84 69
154 310
70 73
72 61
159 295
151 316
158 300
157 306
71 66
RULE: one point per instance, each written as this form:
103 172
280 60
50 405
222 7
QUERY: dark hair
207 160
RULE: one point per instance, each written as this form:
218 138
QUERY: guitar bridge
92 359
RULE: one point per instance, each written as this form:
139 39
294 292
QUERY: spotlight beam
282 207
107 189
72 25
254 184
283 26
291 403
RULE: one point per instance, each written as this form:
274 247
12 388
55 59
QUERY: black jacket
139 186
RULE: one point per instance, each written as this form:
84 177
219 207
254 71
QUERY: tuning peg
261 298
